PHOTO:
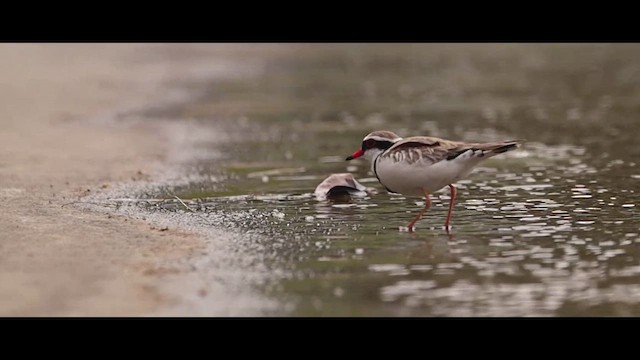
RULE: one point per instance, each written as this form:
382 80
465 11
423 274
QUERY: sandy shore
55 147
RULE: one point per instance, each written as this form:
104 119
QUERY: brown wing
485 149
425 149
432 150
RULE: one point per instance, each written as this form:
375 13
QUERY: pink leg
453 197
427 205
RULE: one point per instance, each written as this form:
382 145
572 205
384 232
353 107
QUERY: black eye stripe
372 143
385 145
368 144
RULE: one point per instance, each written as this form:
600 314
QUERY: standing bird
421 165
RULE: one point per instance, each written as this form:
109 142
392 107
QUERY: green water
548 230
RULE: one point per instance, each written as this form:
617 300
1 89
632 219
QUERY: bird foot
406 228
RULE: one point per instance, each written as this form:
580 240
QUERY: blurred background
250 129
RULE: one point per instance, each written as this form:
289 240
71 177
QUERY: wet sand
59 142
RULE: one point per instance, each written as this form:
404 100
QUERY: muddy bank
61 140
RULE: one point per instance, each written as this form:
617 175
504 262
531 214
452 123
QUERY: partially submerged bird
421 165
340 187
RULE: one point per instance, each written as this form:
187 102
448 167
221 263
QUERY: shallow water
550 229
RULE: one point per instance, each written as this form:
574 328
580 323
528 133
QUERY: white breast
411 178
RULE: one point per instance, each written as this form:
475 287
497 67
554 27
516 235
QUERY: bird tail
499 148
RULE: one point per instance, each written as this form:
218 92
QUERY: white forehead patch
380 138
